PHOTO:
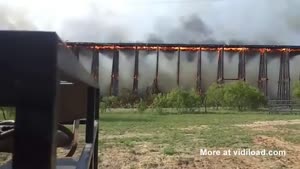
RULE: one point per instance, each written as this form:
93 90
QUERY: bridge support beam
178 67
220 75
114 84
136 72
155 88
199 72
263 73
242 66
76 51
95 65
284 77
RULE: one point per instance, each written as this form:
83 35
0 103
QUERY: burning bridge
160 67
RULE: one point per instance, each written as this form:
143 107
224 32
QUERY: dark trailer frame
32 65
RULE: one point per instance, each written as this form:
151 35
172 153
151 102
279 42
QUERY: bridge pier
199 72
263 73
284 77
76 50
242 66
114 83
155 88
95 65
220 75
178 68
136 72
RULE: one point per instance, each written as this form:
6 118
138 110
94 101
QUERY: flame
181 48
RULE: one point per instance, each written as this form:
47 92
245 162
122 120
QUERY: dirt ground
148 155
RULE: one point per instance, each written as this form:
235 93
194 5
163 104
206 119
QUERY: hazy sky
264 21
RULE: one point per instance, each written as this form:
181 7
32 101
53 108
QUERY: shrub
241 95
141 106
215 95
103 107
182 101
296 89
111 101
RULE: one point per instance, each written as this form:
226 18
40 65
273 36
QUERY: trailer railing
33 66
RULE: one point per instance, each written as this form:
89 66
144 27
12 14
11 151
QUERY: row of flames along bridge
284 82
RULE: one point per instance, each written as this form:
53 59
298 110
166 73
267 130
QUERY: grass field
149 140
131 140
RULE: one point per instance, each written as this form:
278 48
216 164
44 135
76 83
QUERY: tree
241 95
215 95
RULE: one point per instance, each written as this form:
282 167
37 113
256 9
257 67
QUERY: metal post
263 74
114 84
97 133
90 114
178 67
136 72
220 75
199 73
36 120
91 108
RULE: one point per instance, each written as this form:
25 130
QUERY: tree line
236 95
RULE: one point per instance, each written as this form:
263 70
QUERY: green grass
148 134
151 122
7 112
186 132
169 150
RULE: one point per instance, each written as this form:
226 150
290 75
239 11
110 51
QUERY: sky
224 21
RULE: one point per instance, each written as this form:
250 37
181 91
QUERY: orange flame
182 48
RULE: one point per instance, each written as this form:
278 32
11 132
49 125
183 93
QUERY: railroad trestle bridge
243 51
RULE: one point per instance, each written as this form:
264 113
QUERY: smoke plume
14 19
267 22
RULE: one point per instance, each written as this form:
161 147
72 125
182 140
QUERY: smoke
205 21
94 27
17 21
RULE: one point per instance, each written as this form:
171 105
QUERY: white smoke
166 21
14 19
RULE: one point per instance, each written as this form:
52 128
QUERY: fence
283 106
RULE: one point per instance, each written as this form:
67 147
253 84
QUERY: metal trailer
47 85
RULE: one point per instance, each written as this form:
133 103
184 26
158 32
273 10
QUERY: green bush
181 100
296 89
111 101
215 95
242 96
141 106
103 107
